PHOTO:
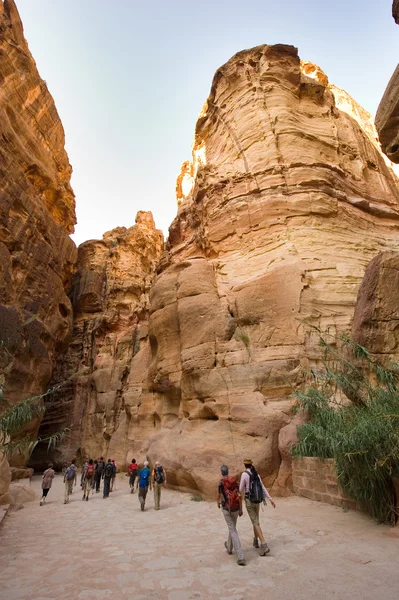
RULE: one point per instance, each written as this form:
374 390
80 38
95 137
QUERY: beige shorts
253 511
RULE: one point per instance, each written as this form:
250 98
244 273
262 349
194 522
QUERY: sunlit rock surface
291 199
190 355
37 214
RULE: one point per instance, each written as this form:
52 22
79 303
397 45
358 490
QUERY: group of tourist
230 493
95 471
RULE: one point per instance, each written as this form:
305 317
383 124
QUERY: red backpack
89 471
230 494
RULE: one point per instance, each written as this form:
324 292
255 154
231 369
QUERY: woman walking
47 480
252 488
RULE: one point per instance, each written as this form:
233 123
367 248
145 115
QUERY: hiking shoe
41 502
264 549
241 562
227 549
255 543
87 498
84 497
142 506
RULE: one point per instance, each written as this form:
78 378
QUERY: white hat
146 463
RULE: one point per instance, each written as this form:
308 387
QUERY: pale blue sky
129 79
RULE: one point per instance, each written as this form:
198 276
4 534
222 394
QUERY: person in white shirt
254 492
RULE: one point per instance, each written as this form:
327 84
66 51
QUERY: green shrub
196 499
361 435
16 419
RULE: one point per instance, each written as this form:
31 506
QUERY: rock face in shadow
110 305
37 214
5 479
395 11
376 320
387 117
290 199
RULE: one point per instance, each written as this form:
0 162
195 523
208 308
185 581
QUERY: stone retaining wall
316 478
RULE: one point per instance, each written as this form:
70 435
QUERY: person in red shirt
133 469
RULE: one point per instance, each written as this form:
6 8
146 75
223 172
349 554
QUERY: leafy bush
14 420
353 406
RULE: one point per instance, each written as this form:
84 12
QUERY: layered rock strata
37 214
285 202
110 305
291 199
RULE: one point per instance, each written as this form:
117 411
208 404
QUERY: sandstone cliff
291 198
110 305
286 200
375 323
37 214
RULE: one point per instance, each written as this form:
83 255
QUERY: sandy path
109 549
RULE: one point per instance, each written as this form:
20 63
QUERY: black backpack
159 474
109 470
100 467
255 494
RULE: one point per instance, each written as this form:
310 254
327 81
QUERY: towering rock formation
110 305
291 198
286 200
191 355
37 214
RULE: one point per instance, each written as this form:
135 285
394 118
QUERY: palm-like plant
15 419
353 405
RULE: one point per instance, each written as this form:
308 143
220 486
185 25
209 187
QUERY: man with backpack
99 470
143 482
159 479
107 476
70 477
255 493
230 500
88 477
133 468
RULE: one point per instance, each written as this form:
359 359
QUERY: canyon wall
285 202
37 214
376 318
291 199
110 305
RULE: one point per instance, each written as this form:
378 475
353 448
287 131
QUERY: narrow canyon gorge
189 350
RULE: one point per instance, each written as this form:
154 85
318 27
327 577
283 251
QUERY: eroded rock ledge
110 304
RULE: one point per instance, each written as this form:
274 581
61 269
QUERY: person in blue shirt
144 481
